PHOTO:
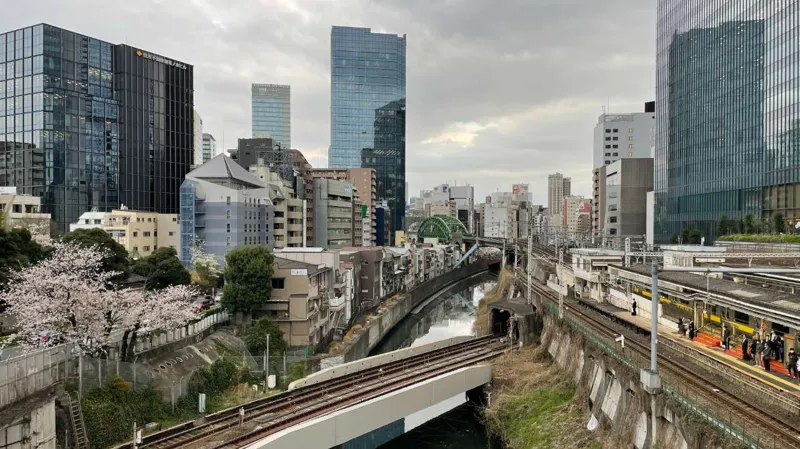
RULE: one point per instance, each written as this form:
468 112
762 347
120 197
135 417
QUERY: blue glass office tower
272 113
368 102
85 123
727 85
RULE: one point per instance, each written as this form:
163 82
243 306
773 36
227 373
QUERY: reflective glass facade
63 125
272 113
368 101
728 113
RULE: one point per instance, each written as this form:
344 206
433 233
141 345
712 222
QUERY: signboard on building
8 190
299 272
161 59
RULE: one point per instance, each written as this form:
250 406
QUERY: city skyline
461 108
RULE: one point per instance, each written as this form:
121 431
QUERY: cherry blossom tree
71 296
206 267
40 232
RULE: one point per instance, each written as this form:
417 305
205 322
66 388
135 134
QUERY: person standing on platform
691 330
769 352
681 328
633 307
759 351
745 346
791 364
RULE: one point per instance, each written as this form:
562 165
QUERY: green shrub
110 411
761 238
216 379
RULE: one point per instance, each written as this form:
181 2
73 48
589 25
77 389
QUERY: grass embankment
535 406
498 293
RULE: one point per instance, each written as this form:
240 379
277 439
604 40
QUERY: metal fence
28 373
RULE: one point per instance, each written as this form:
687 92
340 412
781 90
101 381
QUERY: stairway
80 439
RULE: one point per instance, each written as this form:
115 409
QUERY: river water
452 424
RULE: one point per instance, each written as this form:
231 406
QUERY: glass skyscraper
368 108
85 123
272 113
728 113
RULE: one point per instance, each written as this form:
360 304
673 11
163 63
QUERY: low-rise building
140 232
370 260
300 301
446 208
224 206
24 211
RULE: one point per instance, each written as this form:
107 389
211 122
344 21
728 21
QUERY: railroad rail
293 407
782 432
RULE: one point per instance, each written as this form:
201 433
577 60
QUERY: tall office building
557 188
209 150
85 123
368 110
272 113
727 114
197 143
619 136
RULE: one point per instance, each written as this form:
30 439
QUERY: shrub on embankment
110 412
498 293
761 238
534 406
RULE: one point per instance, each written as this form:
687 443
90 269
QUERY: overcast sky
498 91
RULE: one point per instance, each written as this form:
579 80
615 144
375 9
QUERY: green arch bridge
441 227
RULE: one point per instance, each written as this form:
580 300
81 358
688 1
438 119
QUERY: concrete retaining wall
29 425
379 326
616 397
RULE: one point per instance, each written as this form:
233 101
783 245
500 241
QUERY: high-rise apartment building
365 183
89 124
576 211
209 150
557 188
197 143
619 136
727 121
368 110
272 113
333 216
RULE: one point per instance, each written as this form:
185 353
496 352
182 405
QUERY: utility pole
530 264
560 285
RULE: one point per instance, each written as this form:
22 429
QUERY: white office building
619 136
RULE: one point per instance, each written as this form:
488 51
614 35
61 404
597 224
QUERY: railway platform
707 344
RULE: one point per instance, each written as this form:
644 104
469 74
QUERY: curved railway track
778 432
279 412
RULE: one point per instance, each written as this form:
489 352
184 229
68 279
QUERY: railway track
777 432
279 412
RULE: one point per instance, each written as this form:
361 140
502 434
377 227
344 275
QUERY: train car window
780 329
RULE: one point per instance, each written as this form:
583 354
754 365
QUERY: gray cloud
498 92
